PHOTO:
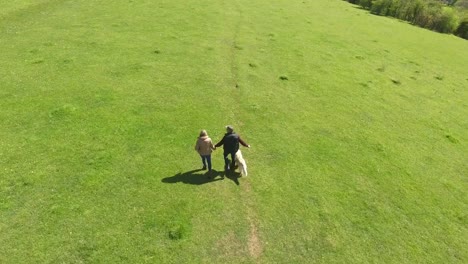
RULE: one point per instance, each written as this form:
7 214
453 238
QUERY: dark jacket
230 143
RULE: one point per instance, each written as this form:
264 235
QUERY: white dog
241 163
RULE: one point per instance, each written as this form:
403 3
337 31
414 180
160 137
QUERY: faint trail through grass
254 243
233 42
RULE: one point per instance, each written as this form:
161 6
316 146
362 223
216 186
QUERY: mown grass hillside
357 124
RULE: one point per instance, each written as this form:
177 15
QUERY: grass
357 125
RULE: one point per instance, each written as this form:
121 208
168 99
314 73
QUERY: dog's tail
244 170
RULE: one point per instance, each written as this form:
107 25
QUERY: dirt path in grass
234 45
254 243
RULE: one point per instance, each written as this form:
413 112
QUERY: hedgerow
441 16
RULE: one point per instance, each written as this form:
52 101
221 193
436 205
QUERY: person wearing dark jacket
230 143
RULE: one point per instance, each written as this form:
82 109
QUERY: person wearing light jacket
204 147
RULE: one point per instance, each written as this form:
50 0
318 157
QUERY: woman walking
204 147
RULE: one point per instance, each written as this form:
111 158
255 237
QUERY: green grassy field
360 156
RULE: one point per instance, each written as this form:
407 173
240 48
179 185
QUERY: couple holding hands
230 143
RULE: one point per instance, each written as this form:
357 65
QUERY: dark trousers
206 159
226 160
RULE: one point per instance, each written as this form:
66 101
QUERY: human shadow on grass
195 178
192 177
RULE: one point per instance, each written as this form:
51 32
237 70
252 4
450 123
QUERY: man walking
230 143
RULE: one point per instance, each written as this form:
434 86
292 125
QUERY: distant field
358 126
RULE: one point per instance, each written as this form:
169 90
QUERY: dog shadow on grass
196 178
233 176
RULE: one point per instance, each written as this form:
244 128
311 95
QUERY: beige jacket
204 146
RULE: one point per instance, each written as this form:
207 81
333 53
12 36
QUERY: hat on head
229 128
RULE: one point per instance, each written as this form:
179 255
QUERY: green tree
367 4
461 4
381 7
462 30
447 22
